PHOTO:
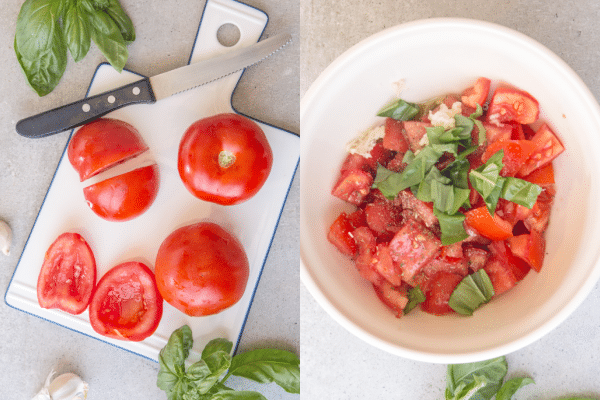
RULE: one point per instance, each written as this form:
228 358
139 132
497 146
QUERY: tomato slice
124 196
394 139
516 152
529 248
102 144
509 104
439 291
340 235
493 228
353 186
501 275
547 148
394 297
126 304
476 94
68 275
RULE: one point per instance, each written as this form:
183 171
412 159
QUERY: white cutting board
162 124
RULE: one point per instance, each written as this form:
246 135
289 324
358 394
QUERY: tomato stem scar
226 159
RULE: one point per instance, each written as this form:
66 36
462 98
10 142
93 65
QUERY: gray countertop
29 346
336 364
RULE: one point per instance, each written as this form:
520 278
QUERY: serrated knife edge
212 69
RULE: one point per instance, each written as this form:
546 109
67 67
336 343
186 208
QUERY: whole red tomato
68 275
201 269
224 159
126 304
102 144
124 196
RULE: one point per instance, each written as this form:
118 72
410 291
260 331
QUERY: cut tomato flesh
476 94
510 104
516 152
493 228
394 138
547 148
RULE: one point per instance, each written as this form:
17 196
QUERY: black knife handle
83 111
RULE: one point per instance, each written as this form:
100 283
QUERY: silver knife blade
149 90
203 72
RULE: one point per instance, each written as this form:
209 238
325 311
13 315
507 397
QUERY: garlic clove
5 237
64 387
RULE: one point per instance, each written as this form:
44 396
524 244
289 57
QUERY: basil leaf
408 157
487 376
400 110
473 291
480 128
392 183
233 395
100 4
39 45
269 365
423 191
458 172
448 198
510 387
415 297
478 112
466 124
468 390
171 358
484 178
520 191
77 34
107 36
116 12
451 226
487 180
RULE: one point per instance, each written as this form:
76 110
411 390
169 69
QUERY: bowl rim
313 286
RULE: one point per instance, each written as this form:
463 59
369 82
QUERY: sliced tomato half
126 304
68 275
102 144
124 196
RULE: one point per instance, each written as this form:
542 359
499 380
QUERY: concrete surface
30 347
337 365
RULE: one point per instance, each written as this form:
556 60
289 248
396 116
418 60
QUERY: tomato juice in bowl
432 58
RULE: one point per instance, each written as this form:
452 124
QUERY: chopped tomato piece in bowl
489 204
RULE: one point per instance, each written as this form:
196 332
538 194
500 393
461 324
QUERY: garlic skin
5 237
64 387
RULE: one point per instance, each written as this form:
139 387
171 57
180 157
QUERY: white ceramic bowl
435 57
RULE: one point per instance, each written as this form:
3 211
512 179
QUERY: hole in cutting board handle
228 34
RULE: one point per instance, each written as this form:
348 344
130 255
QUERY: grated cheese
364 143
444 116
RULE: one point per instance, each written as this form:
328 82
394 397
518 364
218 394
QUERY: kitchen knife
148 90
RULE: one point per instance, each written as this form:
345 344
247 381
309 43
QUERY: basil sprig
205 379
482 380
47 30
